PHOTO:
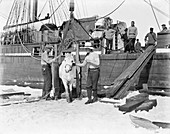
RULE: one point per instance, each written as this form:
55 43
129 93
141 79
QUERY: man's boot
57 94
89 93
95 97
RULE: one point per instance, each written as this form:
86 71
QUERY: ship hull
26 70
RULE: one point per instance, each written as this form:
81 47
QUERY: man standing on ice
46 71
93 62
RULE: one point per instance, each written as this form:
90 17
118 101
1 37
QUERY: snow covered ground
60 117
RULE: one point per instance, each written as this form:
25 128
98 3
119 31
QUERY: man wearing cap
46 71
132 32
164 28
93 62
150 38
108 34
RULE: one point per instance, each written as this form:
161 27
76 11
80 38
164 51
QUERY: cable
155 15
163 13
42 8
57 8
112 11
10 13
108 13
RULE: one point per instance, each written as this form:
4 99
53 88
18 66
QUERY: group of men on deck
131 43
129 39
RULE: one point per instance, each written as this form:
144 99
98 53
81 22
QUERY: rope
112 11
42 8
163 13
78 10
83 7
57 8
108 13
52 6
155 15
65 12
10 13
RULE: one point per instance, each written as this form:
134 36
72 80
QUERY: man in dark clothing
46 71
164 28
126 41
93 62
150 38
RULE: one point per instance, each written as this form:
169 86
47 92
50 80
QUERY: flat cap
49 47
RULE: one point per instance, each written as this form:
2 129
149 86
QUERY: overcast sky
136 10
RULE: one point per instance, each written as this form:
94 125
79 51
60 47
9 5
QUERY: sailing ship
21 47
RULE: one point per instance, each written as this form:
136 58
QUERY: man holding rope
46 71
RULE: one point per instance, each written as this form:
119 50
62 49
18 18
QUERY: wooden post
78 72
55 74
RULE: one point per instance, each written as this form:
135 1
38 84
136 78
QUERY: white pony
67 72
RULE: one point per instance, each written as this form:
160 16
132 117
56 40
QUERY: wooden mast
169 14
34 12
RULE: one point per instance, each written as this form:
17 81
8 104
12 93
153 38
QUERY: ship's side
23 68
20 61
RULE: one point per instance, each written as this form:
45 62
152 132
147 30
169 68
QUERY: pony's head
69 62
121 26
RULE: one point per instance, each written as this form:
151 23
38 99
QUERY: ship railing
30 37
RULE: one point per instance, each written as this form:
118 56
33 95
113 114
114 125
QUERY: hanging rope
108 13
57 8
10 14
112 11
86 8
54 17
78 10
83 7
155 15
42 8
65 9
160 11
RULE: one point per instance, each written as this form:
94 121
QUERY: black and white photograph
84 66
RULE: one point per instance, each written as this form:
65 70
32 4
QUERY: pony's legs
71 88
66 89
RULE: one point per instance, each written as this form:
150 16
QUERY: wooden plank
134 69
122 91
11 94
137 63
29 100
147 105
141 96
119 83
160 93
111 101
78 72
128 107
